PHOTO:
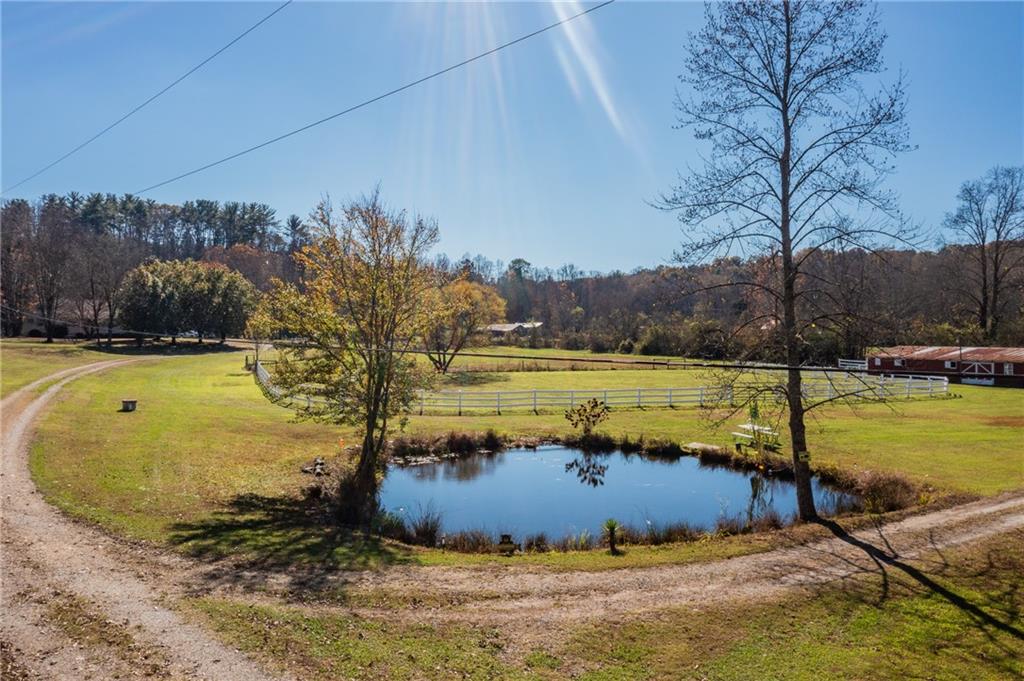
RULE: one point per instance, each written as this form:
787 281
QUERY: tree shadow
991 602
256 538
457 379
182 347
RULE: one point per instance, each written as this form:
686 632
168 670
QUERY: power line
377 98
148 101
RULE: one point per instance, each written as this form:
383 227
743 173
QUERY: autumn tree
798 147
359 309
990 220
459 311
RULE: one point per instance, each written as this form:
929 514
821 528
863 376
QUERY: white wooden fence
853 364
827 386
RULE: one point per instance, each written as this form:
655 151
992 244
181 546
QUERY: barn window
950 364
1008 368
897 362
878 361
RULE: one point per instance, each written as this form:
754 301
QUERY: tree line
76 259
969 290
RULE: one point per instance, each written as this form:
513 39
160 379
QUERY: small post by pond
129 405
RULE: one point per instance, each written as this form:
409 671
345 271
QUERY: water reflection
561 491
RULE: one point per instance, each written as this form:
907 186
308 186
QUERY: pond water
524 491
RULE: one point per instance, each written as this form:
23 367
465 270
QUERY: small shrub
492 441
587 416
411 446
728 525
664 449
883 492
460 443
392 526
628 446
470 541
426 527
768 520
576 542
536 543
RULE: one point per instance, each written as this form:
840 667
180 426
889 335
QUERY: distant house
515 328
971 365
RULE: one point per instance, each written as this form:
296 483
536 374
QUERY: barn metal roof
952 352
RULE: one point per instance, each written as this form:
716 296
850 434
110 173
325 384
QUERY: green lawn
955 615
207 463
23 361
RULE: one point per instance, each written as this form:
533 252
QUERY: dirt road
80 604
76 603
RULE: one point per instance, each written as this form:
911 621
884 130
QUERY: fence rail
838 386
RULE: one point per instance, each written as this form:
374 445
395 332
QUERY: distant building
971 365
517 328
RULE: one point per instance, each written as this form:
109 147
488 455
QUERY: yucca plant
611 528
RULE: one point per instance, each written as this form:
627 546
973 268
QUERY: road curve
60 577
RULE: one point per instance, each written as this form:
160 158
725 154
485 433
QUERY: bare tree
990 218
799 149
15 264
51 249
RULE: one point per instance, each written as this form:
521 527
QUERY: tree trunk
794 391
984 319
357 498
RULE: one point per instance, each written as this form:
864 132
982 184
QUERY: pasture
206 447
209 467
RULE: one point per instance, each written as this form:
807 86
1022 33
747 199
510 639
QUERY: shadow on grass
464 378
182 347
985 588
261 534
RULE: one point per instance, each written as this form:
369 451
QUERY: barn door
980 368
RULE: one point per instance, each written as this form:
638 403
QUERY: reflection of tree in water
463 469
588 471
762 495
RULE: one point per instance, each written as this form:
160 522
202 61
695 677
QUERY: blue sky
548 151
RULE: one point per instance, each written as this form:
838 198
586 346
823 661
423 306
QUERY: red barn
976 366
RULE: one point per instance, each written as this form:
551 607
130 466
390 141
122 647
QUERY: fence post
572 399
606 396
460 403
670 397
499 402
908 387
534 400
639 403
423 397
702 396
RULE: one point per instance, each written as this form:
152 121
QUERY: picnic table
753 434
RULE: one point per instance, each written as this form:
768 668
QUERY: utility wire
148 101
377 98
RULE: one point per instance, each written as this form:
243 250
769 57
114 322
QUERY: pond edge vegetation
873 492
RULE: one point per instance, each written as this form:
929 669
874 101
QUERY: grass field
950 616
207 463
23 361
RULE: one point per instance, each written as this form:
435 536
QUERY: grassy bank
208 464
954 615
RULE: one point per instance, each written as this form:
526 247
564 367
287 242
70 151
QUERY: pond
526 491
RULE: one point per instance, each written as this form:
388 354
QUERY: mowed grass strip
953 615
949 616
208 464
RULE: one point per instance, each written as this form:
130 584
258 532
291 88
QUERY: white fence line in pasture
853 364
840 386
